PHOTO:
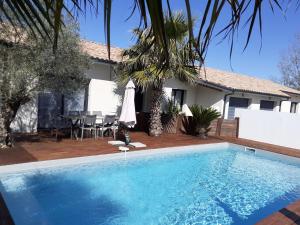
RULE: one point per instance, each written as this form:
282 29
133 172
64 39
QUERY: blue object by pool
220 186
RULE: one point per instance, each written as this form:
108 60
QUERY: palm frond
203 116
38 14
146 63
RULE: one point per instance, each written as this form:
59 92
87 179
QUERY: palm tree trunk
155 127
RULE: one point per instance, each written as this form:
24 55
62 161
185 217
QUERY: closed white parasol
128 117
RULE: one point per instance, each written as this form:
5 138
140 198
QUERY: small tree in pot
170 117
202 118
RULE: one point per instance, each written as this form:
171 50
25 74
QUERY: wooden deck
264 146
37 148
289 215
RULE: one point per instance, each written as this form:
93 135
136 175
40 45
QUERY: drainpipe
225 99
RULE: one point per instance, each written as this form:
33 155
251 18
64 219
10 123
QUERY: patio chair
97 113
99 118
109 124
89 124
60 123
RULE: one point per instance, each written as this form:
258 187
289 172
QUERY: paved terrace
42 147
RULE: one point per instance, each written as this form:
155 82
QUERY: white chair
89 124
109 123
97 113
99 117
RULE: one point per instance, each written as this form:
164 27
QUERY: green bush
202 118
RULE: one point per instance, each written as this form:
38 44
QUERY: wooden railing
227 128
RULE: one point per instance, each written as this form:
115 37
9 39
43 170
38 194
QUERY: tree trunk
169 123
5 132
7 116
155 127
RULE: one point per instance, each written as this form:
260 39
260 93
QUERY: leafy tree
245 13
289 65
29 65
148 67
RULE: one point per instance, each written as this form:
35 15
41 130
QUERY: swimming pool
211 184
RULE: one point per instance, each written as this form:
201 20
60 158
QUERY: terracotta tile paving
36 148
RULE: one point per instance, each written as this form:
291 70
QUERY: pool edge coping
52 163
115 156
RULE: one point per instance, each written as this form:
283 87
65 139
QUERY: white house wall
103 92
276 128
208 97
189 91
294 98
254 101
196 94
285 106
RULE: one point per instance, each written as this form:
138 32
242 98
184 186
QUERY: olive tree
29 65
289 65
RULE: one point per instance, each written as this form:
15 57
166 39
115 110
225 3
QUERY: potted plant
170 117
202 118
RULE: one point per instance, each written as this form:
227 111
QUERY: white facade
276 128
255 101
103 94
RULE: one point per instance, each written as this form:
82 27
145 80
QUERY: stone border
31 166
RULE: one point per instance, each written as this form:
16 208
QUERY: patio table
76 121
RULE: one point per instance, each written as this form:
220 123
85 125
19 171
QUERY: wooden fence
227 128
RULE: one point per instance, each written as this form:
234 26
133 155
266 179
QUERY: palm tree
148 67
38 14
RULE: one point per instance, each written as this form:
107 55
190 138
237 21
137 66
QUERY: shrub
202 118
172 109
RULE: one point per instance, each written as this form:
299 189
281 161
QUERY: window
236 103
239 102
267 105
177 97
293 107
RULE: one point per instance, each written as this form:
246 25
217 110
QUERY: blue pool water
220 186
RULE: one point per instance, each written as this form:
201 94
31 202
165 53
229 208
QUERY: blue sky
278 33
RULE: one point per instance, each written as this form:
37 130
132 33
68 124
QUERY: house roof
243 83
99 51
208 76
